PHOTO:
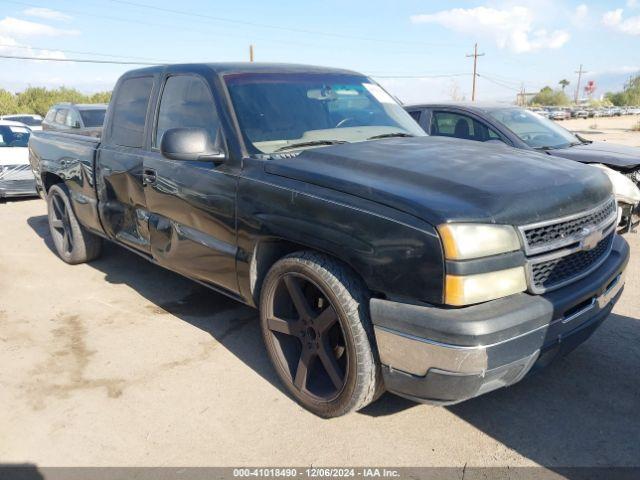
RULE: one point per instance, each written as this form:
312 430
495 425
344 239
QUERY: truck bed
69 158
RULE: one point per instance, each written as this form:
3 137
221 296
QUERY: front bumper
445 356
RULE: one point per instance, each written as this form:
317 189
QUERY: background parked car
66 116
520 128
16 176
34 122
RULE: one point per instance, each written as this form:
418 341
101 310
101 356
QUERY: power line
116 62
29 47
200 16
496 82
75 60
265 25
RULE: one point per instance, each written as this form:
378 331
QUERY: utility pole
251 53
475 56
579 72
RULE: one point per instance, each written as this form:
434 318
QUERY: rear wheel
74 243
316 328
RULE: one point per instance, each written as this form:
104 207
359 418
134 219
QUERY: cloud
632 3
47 14
9 46
614 19
511 28
22 28
582 11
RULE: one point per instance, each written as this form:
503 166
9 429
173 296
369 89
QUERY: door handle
149 176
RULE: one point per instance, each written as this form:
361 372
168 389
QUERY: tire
74 243
326 355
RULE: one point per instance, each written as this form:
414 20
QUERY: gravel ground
120 362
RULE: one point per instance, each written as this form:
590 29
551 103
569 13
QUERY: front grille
551 274
548 234
562 251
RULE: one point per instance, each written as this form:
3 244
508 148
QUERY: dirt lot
122 363
610 129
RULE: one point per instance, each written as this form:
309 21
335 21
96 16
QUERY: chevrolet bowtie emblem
591 239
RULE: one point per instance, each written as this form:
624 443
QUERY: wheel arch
49 179
268 251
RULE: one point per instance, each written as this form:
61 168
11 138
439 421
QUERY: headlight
470 289
623 188
463 241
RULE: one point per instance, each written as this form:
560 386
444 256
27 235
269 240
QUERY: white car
16 176
34 122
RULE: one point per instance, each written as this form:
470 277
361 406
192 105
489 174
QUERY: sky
415 49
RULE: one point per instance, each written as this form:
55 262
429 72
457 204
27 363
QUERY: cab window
186 103
61 116
130 111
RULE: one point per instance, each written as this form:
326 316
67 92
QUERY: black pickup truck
379 257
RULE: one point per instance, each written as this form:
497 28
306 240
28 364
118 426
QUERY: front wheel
74 243
316 328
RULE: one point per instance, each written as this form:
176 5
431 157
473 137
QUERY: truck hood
14 156
611 154
443 180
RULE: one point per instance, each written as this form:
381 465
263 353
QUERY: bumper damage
445 356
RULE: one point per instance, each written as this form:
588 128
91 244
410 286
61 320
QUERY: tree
39 100
548 96
564 83
8 104
630 95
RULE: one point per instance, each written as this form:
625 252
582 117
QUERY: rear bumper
444 356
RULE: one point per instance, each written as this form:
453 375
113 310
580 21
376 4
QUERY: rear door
191 204
122 203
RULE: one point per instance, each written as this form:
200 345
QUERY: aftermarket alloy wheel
73 242
316 328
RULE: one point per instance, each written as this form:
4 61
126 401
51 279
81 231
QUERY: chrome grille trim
571 239
534 288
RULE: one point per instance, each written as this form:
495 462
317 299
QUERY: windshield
288 111
93 117
14 136
534 130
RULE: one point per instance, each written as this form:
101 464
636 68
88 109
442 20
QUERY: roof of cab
245 67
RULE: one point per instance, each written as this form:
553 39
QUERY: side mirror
76 124
190 144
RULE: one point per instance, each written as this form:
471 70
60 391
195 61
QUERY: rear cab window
130 111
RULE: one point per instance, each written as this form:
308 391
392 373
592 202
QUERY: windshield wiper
391 135
311 143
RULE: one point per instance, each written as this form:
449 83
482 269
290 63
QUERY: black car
67 116
379 257
525 130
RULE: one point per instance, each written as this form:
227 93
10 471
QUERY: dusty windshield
14 136
534 130
280 112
